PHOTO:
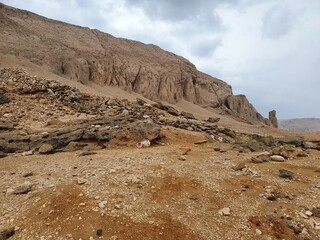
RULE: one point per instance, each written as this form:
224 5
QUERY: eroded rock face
87 55
242 108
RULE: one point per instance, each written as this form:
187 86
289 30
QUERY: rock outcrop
273 118
241 107
87 55
32 119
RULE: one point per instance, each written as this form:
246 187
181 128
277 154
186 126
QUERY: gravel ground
154 193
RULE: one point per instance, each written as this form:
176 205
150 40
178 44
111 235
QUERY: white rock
224 211
118 206
309 213
265 153
27 153
277 158
258 231
303 215
103 204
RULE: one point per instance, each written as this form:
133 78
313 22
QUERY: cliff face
241 107
84 55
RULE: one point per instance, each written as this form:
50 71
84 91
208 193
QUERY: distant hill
301 124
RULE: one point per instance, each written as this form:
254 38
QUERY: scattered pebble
224 211
182 158
239 167
102 204
21 189
81 181
27 174
309 213
258 231
286 173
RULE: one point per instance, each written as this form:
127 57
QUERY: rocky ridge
87 55
90 118
38 111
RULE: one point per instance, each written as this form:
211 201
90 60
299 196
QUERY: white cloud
279 72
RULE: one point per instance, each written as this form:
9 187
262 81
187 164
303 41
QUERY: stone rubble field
70 169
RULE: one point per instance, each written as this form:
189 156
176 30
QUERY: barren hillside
90 56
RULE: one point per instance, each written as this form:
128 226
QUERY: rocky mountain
89 55
302 124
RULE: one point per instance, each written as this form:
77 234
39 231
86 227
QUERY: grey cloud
276 22
85 3
286 85
206 49
178 10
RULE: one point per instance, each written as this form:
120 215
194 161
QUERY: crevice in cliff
90 77
133 84
62 68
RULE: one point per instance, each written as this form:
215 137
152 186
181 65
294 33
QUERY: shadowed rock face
241 107
84 55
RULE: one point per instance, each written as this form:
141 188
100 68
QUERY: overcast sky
268 50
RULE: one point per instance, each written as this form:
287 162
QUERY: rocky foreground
72 168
